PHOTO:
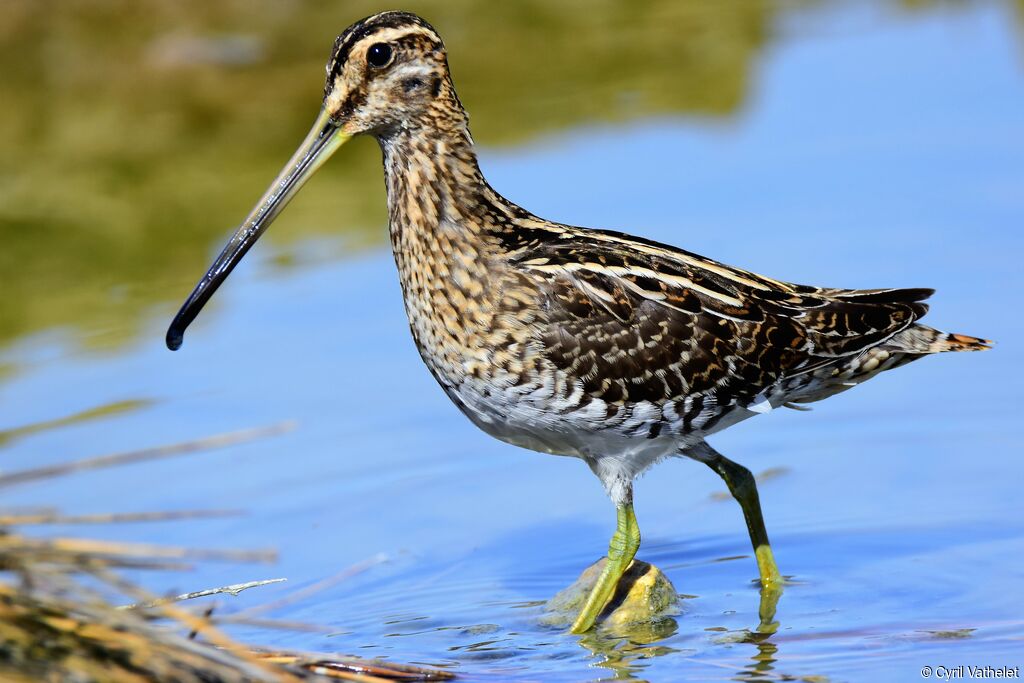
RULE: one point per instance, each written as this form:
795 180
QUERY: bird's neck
437 201
433 183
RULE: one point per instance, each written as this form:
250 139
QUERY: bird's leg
744 489
621 550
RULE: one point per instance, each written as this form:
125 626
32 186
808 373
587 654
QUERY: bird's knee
738 478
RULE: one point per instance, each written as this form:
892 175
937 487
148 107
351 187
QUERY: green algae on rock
644 597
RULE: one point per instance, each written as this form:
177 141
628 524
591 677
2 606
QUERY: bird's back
638 327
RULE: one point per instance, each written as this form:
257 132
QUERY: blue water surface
877 150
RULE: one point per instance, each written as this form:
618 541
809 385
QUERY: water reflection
119 174
7 436
138 132
762 667
624 652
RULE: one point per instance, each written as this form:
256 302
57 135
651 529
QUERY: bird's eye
379 55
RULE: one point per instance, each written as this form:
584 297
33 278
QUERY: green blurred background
136 133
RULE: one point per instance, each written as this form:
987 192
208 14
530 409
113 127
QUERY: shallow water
870 146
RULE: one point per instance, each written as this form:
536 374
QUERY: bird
614 349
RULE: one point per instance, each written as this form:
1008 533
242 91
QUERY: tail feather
921 339
881 296
963 342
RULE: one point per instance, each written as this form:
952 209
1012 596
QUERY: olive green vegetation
94 413
136 133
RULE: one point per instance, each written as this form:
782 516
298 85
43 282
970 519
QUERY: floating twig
303 593
144 454
278 624
92 547
197 625
233 589
24 519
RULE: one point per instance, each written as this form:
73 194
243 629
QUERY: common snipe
590 343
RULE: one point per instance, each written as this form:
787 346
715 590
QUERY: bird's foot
642 599
770 595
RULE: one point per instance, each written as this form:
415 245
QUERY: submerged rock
644 597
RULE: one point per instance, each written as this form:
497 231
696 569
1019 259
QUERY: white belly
540 422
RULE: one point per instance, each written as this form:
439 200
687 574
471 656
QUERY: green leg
744 489
621 550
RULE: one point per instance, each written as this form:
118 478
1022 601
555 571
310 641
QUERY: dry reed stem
55 626
144 454
53 517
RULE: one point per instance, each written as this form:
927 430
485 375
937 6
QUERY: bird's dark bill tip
174 338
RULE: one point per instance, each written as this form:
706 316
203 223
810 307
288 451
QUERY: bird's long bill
323 140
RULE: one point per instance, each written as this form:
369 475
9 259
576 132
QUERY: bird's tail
921 339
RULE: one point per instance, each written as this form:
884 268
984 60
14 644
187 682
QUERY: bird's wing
637 320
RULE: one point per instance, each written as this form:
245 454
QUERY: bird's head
387 74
